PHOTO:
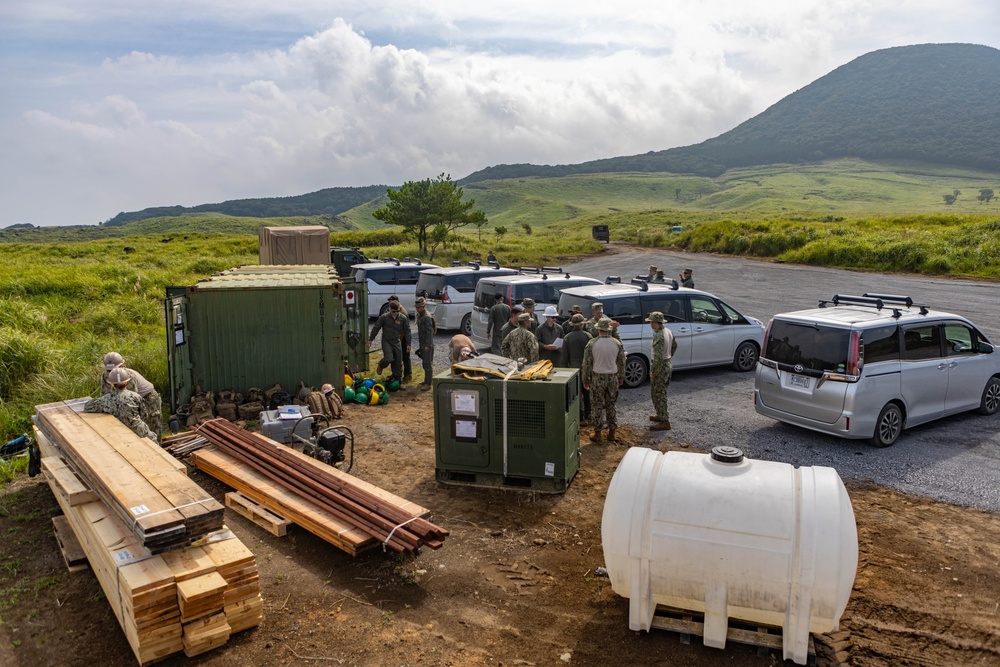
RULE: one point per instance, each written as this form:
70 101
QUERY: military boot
611 434
596 437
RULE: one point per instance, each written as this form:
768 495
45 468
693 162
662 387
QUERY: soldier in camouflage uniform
521 343
529 307
395 335
603 373
122 403
664 346
499 316
425 341
152 405
597 312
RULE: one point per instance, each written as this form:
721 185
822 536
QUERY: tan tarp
295 245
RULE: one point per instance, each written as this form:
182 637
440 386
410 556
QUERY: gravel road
956 459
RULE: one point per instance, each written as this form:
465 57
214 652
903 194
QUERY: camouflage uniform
603 387
395 330
124 404
520 343
499 316
425 343
152 404
661 370
590 326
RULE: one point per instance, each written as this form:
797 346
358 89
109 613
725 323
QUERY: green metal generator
518 434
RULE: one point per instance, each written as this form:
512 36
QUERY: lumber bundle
190 599
391 523
182 444
145 486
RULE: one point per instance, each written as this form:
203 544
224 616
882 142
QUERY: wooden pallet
687 623
499 481
69 546
255 512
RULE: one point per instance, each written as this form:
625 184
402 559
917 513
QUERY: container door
356 324
178 350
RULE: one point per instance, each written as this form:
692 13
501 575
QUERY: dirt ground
513 585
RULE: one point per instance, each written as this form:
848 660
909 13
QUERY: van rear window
816 348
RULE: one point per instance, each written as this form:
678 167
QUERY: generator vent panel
525 419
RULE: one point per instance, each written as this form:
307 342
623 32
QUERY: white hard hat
111 360
550 311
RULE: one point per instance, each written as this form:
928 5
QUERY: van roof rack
495 264
456 262
876 301
475 265
612 280
896 298
640 283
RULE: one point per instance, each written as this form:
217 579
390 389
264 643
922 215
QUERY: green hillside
935 103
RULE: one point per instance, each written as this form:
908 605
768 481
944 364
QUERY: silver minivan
870 366
389 277
449 292
708 331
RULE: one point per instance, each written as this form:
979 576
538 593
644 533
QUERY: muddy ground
514 583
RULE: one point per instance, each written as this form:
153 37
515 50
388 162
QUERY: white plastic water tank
731 537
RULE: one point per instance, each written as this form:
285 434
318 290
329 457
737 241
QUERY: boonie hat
577 318
528 302
524 317
603 324
652 268
655 316
550 311
575 309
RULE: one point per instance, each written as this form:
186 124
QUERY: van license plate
800 381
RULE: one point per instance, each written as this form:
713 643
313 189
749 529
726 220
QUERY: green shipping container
540 448
254 326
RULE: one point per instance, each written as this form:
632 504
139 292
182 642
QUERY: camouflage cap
687 271
597 306
603 324
577 319
575 309
528 302
420 302
655 316
524 317
652 268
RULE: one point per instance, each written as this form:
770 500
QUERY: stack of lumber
139 481
182 444
312 494
189 599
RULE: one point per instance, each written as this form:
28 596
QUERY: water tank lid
726 454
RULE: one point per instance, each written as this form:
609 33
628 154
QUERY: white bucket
730 537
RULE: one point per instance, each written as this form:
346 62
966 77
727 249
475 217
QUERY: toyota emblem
798 368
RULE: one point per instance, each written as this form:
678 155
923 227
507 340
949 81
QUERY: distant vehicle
449 292
871 366
345 258
708 331
541 284
389 277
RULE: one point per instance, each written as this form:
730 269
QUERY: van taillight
444 296
510 295
854 354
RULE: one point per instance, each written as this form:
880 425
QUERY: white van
390 277
708 331
871 366
449 292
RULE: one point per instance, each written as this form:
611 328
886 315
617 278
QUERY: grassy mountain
330 202
935 103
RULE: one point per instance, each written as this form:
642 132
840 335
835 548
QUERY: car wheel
991 397
383 310
636 371
466 326
746 357
888 426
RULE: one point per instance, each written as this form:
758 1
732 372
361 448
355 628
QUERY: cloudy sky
118 105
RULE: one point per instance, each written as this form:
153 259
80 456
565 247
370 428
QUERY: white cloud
196 102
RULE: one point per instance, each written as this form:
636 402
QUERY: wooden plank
199 588
63 479
247 508
72 552
764 636
298 510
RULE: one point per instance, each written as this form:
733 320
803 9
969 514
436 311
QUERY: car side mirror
985 348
